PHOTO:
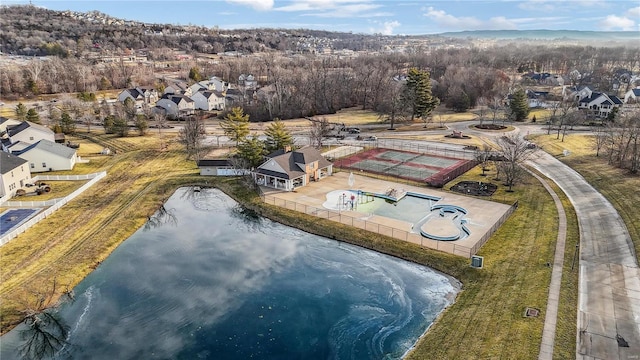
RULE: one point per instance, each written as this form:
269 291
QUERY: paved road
609 280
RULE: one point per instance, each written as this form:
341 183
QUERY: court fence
402 171
52 205
371 225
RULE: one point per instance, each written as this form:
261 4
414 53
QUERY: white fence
53 204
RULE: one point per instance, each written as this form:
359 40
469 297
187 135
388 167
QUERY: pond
207 279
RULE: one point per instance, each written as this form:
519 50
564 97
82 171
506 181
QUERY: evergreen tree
278 137
417 93
194 74
33 116
120 126
519 105
108 124
67 124
252 151
21 112
236 125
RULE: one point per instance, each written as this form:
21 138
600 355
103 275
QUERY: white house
178 88
632 96
140 96
576 93
208 100
599 104
218 84
14 174
5 122
46 155
175 106
287 170
29 132
247 82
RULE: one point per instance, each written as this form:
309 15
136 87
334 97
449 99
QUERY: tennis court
432 169
12 218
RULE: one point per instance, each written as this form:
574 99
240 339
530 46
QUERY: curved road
609 280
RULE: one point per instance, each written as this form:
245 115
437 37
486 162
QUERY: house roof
214 162
636 91
9 162
615 99
291 161
208 94
177 98
15 129
50 147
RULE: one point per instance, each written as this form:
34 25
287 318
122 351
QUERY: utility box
477 262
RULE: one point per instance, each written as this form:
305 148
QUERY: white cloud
260 5
557 5
334 8
450 22
634 12
613 22
386 27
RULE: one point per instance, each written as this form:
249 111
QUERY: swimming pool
426 214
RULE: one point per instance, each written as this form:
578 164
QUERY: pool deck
482 214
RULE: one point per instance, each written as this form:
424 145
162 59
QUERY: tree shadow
45 332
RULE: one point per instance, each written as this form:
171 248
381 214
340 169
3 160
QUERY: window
44 165
30 137
33 166
12 174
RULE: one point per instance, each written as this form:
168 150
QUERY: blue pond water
213 281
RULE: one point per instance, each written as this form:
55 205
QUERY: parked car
370 138
354 131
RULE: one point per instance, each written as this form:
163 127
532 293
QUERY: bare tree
483 155
515 151
45 332
319 130
191 136
160 119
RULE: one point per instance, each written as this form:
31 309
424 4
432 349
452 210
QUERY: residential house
218 84
29 132
599 104
247 82
47 155
537 99
5 122
140 96
233 97
632 96
576 93
14 174
209 100
178 88
287 170
176 106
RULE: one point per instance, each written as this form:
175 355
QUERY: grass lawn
487 322
58 189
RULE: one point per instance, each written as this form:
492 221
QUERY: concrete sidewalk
609 284
553 300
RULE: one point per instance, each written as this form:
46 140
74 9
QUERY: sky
388 17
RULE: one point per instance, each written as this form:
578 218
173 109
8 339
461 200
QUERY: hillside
30 30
